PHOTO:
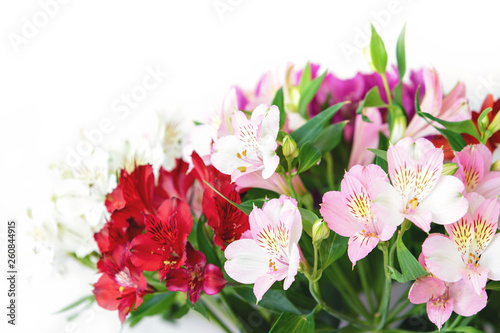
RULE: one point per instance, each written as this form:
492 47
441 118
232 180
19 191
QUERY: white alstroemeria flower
253 145
172 131
271 253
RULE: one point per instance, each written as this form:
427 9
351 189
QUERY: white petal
491 258
246 261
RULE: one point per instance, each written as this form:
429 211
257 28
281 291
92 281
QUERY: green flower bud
449 169
290 150
320 231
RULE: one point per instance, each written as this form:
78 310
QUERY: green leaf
330 137
378 53
86 299
244 208
395 274
307 95
410 267
309 156
465 126
200 308
493 127
308 219
401 54
467 329
205 245
372 99
152 305
274 300
279 101
289 322
483 121
383 146
305 78
457 143
311 130
380 153
493 285
332 249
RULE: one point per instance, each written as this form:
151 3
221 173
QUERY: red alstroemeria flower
122 227
162 246
227 221
175 183
196 275
122 285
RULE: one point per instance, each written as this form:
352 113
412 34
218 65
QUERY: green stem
329 170
209 306
314 290
315 267
387 90
350 296
455 322
289 177
384 303
396 311
364 284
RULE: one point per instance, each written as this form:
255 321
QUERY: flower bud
290 148
320 231
449 169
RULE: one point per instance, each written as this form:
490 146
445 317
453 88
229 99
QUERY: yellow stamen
242 168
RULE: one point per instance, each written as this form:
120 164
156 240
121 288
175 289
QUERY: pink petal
462 234
420 218
471 168
429 170
442 258
440 311
466 301
489 187
485 224
402 169
425 289
262 284
337 216
475 279
293 267
366 135
360 245
386 203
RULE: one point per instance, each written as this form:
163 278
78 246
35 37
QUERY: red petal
145 253
213 280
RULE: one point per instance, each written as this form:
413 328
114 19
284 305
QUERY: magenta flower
471 250
195 276
365 210
443 298
415 168
253 145
474 163
272 252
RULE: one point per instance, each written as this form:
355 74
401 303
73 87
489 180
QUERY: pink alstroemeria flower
453 107
474 164
276 183
415 168
366 135
365 209
443 298
253 145
272 253
471 250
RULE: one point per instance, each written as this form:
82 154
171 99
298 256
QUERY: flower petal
442 258
337 216
246 261
439 312
262 284
425 289
466 301
359 245
446 202
491 259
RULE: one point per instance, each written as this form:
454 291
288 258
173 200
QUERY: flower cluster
279 183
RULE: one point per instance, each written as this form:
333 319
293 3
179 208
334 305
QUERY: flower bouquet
311 204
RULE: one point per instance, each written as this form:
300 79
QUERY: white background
68 73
